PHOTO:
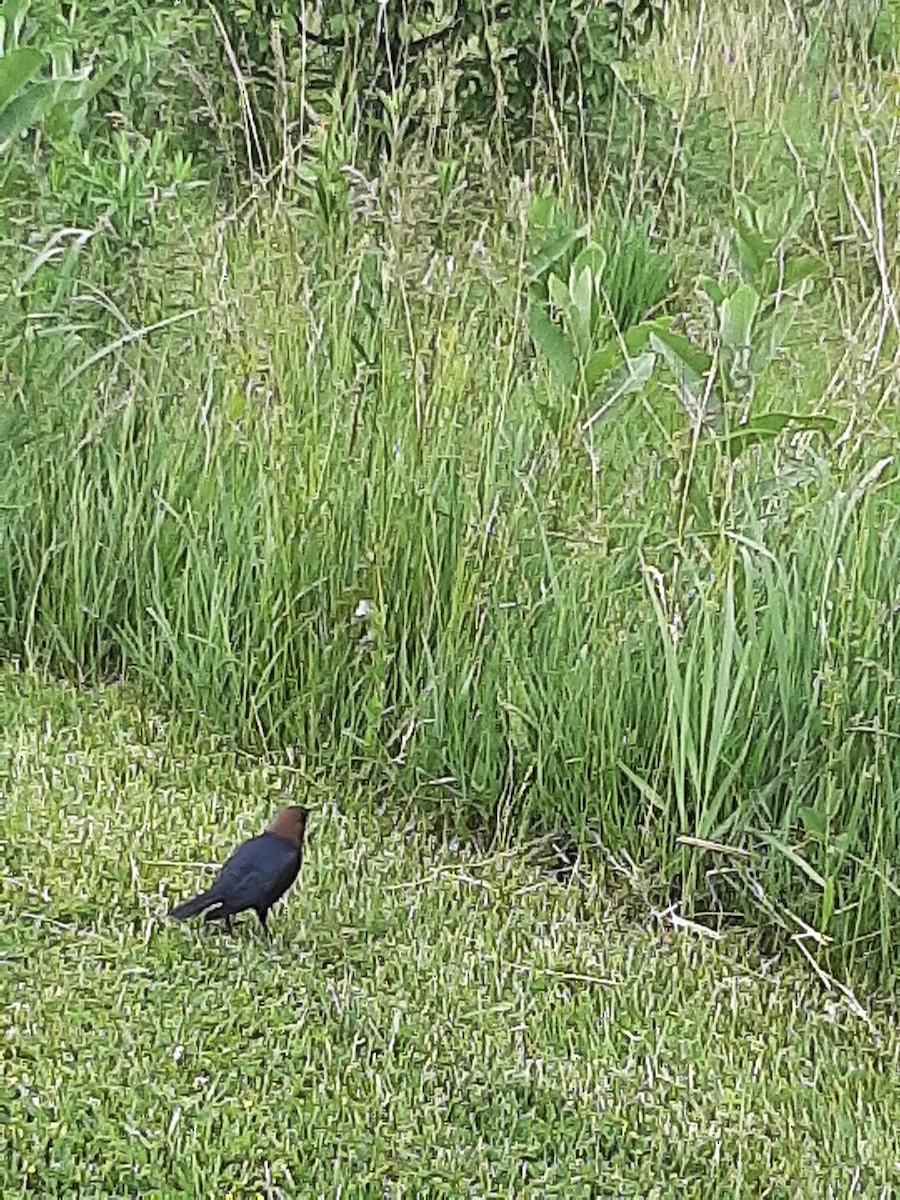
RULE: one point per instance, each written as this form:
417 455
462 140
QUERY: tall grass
325 498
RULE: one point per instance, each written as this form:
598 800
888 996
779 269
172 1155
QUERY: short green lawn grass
429 1021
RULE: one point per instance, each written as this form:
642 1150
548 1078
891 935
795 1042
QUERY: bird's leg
228 924
263 914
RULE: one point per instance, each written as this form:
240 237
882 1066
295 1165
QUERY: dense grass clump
587 524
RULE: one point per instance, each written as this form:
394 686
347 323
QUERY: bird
256 874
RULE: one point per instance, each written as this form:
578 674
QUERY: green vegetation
433 1018
455 66
531 467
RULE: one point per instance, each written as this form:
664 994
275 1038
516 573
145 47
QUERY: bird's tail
190 908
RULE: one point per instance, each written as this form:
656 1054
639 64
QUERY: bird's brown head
290 825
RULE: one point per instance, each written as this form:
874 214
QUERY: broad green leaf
601 363
782 322
26 110
711 288
16 68
541 211
637 337
639 369
813 822
551 342
746 207
777 331
592 256
559 295
752 252
679 351
553 250
884 43
582 292
738 314
620 375
693 384
841 842
806 266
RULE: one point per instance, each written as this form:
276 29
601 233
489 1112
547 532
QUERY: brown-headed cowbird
256 875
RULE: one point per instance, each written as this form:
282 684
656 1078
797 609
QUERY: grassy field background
491 494
433 1017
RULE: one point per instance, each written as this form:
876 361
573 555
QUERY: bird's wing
260 869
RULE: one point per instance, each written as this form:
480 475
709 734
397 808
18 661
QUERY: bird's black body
256 875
